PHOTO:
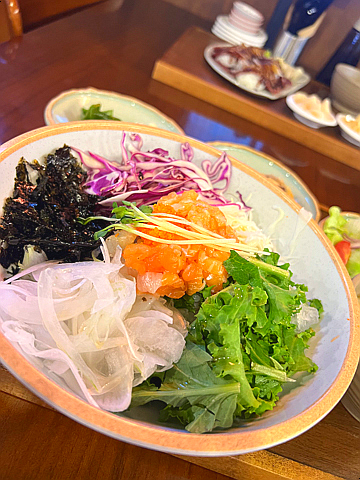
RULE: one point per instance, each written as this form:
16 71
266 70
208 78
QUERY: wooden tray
183 67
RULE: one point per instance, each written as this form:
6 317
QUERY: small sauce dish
346 131
311 111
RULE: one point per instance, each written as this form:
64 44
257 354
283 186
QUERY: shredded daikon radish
245 228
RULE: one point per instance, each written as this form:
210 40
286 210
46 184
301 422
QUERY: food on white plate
177 295
254 68
353 123
312 104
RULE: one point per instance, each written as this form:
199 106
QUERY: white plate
66 107
347 132
224 34
300 82
305 117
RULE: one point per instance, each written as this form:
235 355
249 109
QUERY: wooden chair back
10 20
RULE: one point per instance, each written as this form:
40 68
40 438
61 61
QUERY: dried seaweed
43 211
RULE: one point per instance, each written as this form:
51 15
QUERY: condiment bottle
348 52
305 13
302 21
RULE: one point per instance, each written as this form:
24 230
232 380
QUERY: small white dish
228 37
305 117
301 79
257 39
66 107
348 133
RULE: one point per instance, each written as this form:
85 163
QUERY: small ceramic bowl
66 107
244 22
305 117
243 25
351 399
237 36
272 168
345 89
348 133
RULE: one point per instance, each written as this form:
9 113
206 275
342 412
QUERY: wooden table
114 46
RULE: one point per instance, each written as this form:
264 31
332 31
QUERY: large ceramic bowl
335 348
66 107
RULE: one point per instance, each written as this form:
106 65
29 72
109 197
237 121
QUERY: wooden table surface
114 46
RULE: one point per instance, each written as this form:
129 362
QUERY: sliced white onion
84 323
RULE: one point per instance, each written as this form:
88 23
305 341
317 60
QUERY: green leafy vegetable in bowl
94 113
246 341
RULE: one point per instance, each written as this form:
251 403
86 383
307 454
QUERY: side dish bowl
335 348
348 133
306 117
268 166
351 400
67 107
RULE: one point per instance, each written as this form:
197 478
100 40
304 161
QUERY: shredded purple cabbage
145 177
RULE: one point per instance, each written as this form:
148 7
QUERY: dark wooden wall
36 12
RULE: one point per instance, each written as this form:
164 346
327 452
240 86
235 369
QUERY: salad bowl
335 348
351 399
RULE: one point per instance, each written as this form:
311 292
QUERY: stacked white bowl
242 25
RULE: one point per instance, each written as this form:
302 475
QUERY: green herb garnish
94 113
121 215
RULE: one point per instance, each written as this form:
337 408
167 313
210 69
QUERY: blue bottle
348 52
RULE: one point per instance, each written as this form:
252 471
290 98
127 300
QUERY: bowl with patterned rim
68 105
335 348
282 176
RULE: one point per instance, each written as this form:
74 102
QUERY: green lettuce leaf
241 348
334 226
353 264
197 397
248 331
